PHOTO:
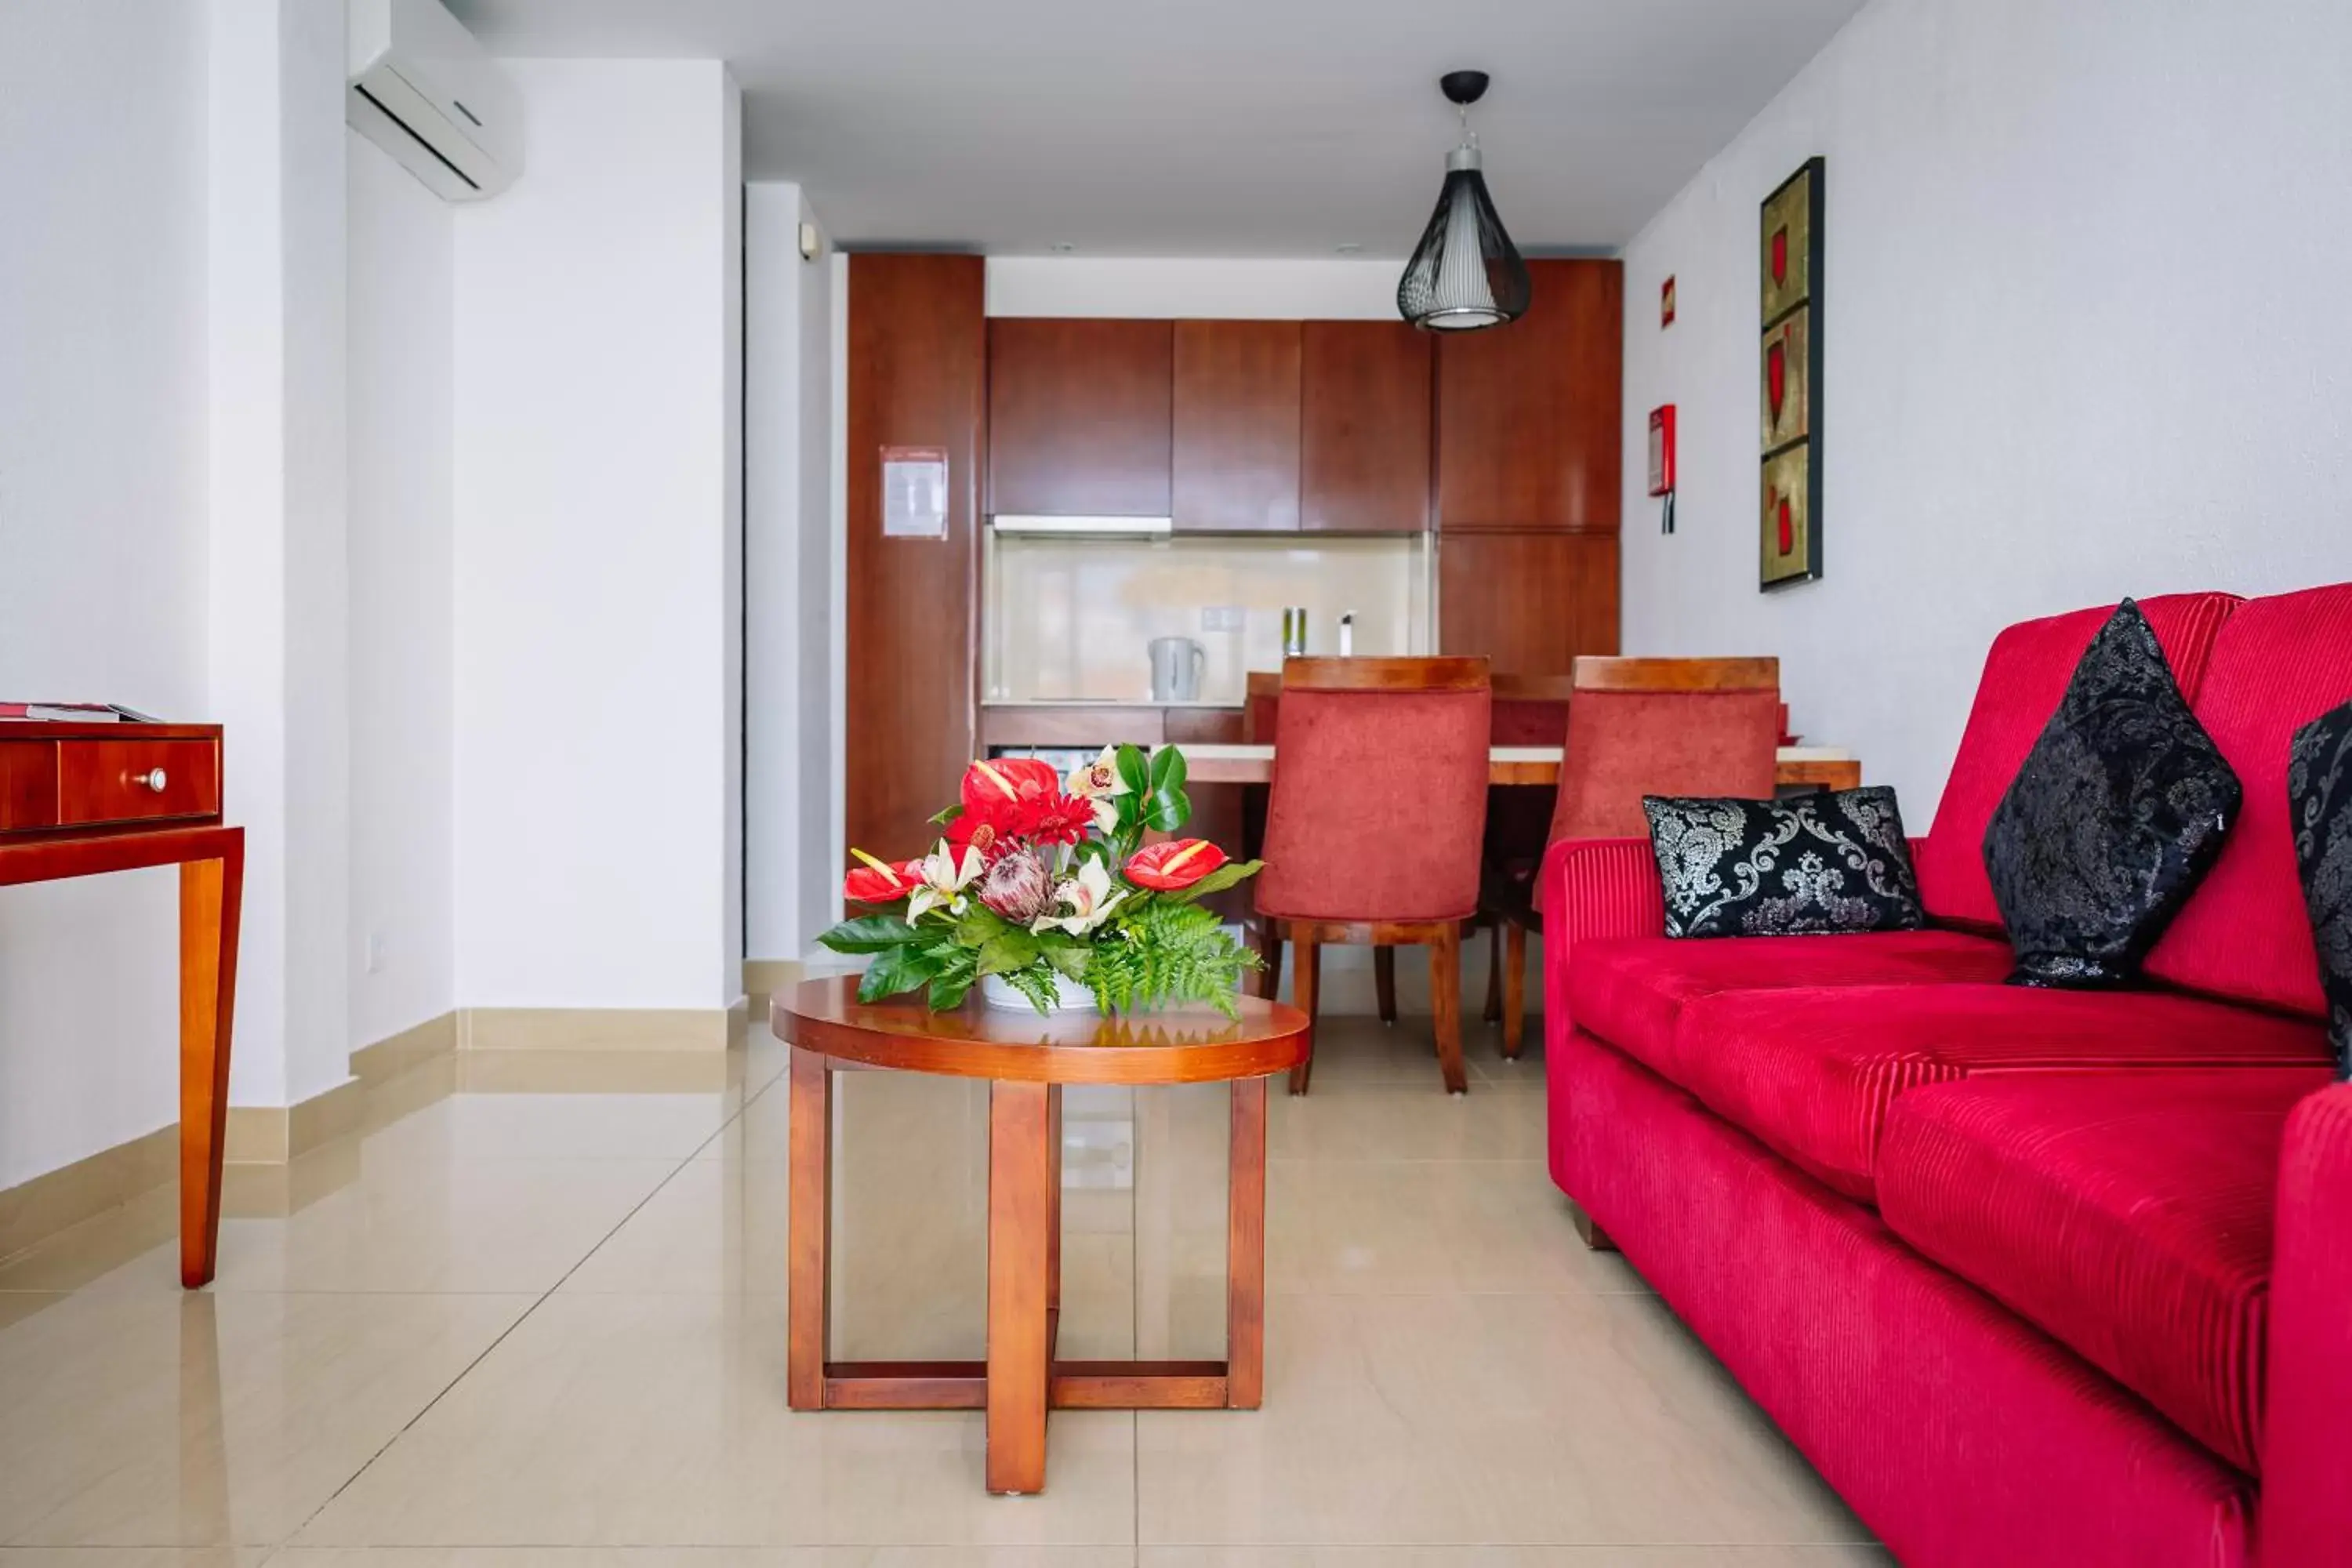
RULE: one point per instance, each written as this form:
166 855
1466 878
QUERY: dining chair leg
1445 1001
1304 980
1514 985
1384 982
1269 952
1493 1010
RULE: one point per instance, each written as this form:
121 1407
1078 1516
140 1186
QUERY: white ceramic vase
1069 996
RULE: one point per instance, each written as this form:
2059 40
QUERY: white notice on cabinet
914 492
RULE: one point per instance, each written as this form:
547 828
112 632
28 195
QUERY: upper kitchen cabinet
1364 427
1236 426
1078 417
1528 435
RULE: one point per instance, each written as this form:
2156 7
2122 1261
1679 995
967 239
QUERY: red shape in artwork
1776 377
1781 254
1788 531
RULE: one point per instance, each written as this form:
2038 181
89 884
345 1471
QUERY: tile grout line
468 1370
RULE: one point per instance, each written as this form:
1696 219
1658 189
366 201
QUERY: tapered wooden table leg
1245 1248
1020 1217
211 892
810 1217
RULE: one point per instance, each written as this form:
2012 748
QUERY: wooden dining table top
1253 763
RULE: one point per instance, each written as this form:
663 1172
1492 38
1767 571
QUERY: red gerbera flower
1058 818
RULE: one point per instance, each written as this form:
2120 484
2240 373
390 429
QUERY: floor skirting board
602 1028
58 1200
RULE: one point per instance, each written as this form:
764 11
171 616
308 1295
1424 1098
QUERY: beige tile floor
532 1317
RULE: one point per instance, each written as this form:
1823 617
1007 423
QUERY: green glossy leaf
948 991
869 933
1004 953
947 814
1133 771
979 923
1069 962
1171 808
1218 881
897 970
1167 769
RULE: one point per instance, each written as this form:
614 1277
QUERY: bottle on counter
1347 635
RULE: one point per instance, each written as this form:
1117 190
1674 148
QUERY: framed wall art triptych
1789 524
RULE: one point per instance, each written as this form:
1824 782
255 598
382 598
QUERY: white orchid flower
1098 781
944 879
1087 895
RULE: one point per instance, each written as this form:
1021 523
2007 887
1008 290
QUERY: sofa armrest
2307 1436
1592 888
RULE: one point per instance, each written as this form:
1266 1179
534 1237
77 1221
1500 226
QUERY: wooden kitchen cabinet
1530 602
1079 416
1236 426
1364 427
917 377
1528 428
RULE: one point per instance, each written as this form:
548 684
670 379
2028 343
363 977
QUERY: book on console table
73 713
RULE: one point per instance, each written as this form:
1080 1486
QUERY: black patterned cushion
2319 802
2118 810
1812 865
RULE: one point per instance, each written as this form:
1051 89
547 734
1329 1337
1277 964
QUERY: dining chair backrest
1531 710
1261 700
1704 727
1379 796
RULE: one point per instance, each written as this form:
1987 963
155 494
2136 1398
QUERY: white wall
102 519
2085 336
402 648
277 586
788 353
594 472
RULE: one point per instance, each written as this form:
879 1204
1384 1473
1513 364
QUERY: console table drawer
135 781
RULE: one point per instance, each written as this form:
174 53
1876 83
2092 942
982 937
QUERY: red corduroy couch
2032 1277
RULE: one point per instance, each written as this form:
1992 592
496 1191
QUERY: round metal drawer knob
153 779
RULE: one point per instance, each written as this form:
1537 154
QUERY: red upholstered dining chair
1634 727
1373 823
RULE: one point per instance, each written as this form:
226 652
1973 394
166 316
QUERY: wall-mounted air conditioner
425 92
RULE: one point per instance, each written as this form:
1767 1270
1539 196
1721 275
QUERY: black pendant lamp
1465 273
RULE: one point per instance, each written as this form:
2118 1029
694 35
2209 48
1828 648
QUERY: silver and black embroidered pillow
2119 809
1812 865
2319 803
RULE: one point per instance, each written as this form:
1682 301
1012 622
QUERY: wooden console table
79 800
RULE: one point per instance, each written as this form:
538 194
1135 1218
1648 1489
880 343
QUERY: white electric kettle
1177 664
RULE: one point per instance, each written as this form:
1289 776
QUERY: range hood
1085 527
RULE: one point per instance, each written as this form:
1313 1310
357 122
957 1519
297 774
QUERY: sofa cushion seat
1631 991
2128 1215
1811 1073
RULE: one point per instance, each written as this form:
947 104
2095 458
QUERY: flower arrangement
1038 882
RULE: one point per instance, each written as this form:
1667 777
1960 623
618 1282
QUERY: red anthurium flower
1002 783
999 802
879 881
1172 867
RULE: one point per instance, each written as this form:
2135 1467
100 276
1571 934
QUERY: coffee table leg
1020 1254
1245 1248
811 1204
1054 1203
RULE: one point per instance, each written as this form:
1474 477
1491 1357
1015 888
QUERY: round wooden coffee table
1027 1059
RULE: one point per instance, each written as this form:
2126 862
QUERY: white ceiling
1208 127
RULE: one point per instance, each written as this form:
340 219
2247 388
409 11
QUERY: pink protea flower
1017 886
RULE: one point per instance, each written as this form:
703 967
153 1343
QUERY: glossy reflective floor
534 1317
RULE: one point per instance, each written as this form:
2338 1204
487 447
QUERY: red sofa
2032 1277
